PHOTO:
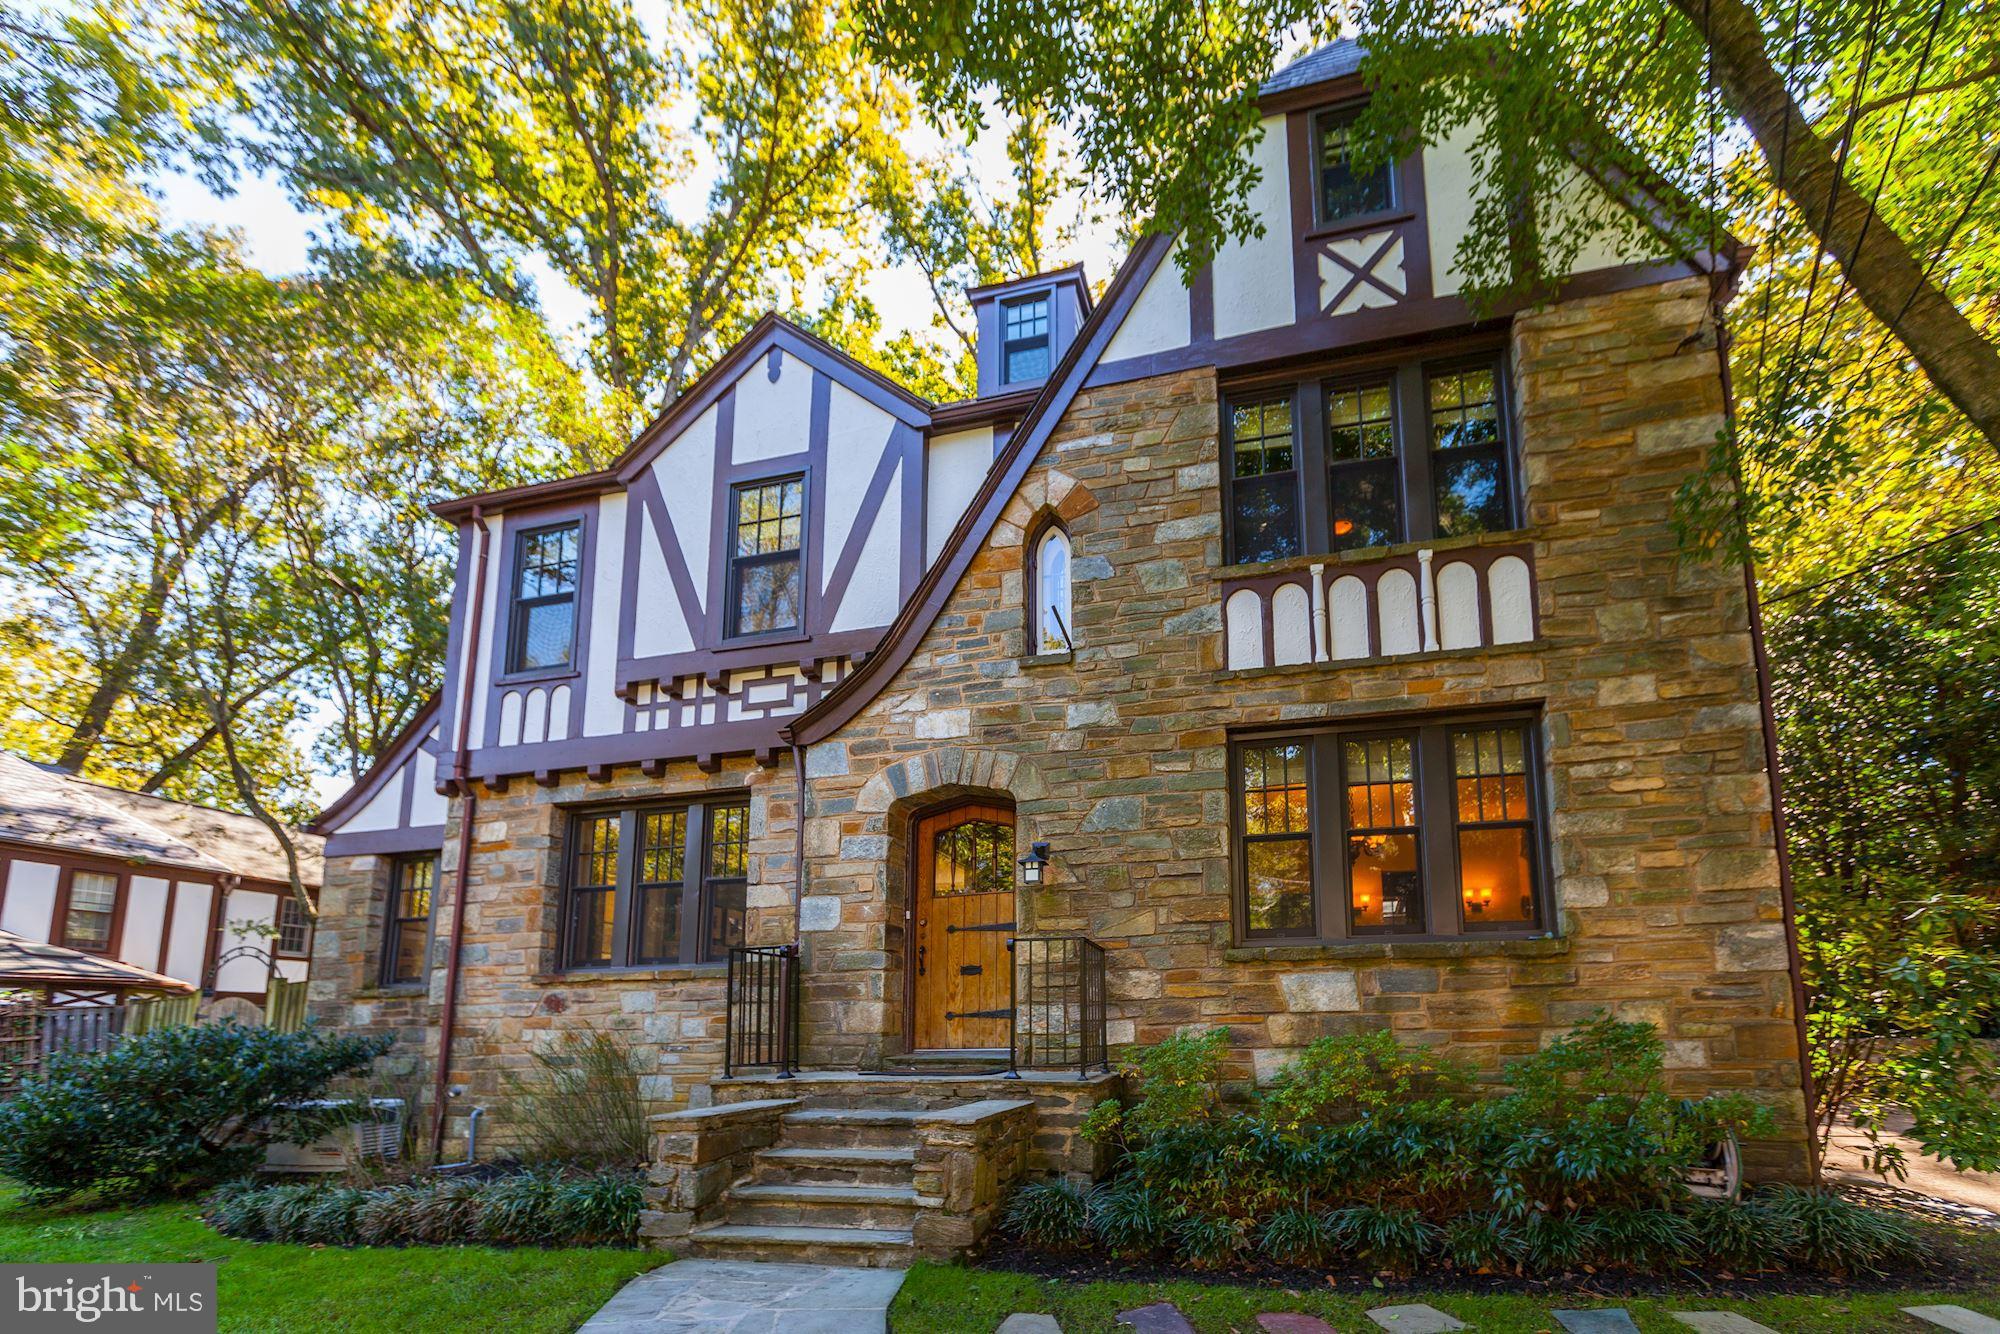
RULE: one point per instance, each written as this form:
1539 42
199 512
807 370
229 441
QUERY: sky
278 237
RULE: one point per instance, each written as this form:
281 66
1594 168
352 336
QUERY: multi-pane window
766 587
1277 840
1467 454
542 635
93 898
657 885
1025 345
1409 451
1344 191
407 933
1428 830
294 926
1361 478
1263 480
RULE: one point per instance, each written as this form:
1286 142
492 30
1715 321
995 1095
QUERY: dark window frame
1045 340
1409 375
1445 918
732 632
518 606
392 922
1391 171
694 932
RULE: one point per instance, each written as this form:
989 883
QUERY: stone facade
514 998
1665 875
1665 872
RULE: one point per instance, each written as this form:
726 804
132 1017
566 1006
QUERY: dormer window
1025 338
1343 192
542 636
766 591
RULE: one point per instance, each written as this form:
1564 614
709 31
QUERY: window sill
541 677
1369 555
1360 222
391 991
687 972
1062 659
1455 947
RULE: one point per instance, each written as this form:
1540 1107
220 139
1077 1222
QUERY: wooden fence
31 1032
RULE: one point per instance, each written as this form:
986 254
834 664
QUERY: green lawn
941 1298
291 1288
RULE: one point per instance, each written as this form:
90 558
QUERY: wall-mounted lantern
1033 864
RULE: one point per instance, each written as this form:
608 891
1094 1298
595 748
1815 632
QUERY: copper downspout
468 810
1768 716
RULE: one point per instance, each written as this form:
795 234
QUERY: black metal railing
1056 1005
760 1010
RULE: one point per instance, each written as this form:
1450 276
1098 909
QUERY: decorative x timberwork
1357 272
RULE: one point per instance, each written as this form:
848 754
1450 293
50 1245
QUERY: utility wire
1889 558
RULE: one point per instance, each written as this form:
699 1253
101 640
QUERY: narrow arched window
1051 611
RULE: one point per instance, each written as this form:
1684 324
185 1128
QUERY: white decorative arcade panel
1418 603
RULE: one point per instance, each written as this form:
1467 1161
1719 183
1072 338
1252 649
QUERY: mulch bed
1958 1261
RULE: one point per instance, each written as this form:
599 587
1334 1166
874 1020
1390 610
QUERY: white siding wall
958 463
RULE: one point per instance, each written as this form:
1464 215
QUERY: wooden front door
962 910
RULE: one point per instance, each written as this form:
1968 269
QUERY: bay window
656 885
1427 829
1391 452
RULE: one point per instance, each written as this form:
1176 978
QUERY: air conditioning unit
377 1136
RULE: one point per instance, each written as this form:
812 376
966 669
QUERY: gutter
468 811
1768 716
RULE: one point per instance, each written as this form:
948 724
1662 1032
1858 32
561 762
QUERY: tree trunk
1960 364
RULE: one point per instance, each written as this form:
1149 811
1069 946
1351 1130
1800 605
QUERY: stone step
851 1167
791 1204
861 1248
850 1128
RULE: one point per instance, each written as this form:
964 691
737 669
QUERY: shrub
173 1109
524 1209
1053 1214
582 1107
1834 1234
1364 1150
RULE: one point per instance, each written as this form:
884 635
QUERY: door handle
920 960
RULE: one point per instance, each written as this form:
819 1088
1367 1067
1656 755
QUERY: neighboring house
195 894
1302 652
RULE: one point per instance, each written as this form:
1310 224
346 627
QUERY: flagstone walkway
748 1297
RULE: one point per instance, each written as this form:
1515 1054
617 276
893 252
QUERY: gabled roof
1335 60
773 331
387 761
900 640
43 807
32 963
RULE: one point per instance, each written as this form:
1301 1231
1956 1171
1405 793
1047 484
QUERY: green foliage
1905 987
581 1106
1053 1214
524 1209
1339 1079
1360 1152
174 1109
